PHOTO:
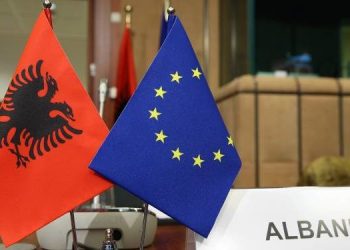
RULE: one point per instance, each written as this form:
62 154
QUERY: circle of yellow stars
161 136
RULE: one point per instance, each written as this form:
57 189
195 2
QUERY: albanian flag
126 77
49 132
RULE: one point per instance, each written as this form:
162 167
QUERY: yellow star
160 92
229 140
154 114
218 155
161 136
198 161
196 73
176 77
177 154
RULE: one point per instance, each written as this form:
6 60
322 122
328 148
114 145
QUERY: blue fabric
163 30
132 158
166 27
170 22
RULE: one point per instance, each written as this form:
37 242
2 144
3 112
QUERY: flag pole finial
47 4
171 10
166 6
128 9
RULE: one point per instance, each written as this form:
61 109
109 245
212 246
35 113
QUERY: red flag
49 132
126 77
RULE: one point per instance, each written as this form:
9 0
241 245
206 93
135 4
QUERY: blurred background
278 70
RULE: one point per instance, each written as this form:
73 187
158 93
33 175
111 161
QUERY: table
169 237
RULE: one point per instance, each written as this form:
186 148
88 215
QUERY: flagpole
47 8
47 4
103 93
74 231
170 11
144 223
145 205
96 203
166 7
128 11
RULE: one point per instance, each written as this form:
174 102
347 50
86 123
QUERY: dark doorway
284 29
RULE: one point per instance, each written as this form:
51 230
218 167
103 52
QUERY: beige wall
17 18
146 19
71 23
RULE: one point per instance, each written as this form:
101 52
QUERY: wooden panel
345 86
244 139
279 174
346 125
320 127
278 145
227 113
246 176
278 127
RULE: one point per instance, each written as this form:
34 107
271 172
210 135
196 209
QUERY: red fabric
59 180
48 15
126 77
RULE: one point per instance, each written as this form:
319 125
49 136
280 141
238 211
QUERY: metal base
19 246
91 225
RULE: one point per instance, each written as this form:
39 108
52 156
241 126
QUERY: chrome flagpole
47 4
144 223
74 230
96 203
166 7
128 10
103 92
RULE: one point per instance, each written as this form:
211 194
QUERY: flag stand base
144 225
74 231
90 227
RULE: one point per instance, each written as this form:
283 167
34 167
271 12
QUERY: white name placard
302 218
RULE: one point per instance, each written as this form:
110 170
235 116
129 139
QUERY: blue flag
170 146
165 27
163 30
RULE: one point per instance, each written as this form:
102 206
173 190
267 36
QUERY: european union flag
170 146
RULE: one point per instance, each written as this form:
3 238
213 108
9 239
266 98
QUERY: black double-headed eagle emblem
29 118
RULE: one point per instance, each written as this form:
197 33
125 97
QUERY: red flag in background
49 132
126 77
